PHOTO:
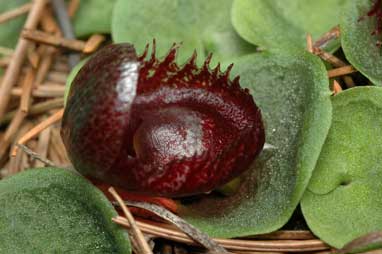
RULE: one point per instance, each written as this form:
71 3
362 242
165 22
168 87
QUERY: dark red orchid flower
153 127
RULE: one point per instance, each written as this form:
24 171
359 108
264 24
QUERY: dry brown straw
334 33
336 87
52 40
137 233
27 90
73 7
38 128
12 73
341 71
309 42
93 43
231 244
15 12
44 90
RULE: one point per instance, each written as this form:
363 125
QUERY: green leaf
10 30
343 200
357 42
93 16
198 24
292 91
56 211
72 75
284 23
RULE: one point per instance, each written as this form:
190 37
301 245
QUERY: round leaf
93 16
198 24
343 200
275 23
357 42
10 30
292 91
56 211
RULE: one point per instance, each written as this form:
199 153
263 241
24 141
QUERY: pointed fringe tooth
144 53
216 71
193 58
189 71
203 74
148 64
168 64
228 71
236 82
223 77
206 64
153 51
151 62
171 55
186 72
190 64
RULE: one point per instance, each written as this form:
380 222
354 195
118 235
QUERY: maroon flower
153 127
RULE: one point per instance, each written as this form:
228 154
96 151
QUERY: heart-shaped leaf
10 30
292 91
343 199
56 211
198 24
358 44
275 23
93 16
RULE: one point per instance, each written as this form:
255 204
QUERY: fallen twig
43 146
36 156
187 228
